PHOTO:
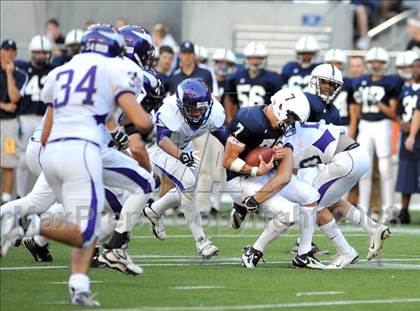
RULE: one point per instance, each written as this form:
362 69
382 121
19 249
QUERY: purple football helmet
103 39
194 101
138 45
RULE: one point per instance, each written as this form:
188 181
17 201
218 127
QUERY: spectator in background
362 9
356 66
120 22
190 69
161 37
73 46
88 23
31 108
163 68
12 82
414 31
53 32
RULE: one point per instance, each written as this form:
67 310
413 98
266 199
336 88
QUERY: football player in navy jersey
297 73
404 63
325 83
224 66
338 58
264 189
73 46
253 85
409 162
376 98
31 108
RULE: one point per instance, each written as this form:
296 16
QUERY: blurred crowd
21 83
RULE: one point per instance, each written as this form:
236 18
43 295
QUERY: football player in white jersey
344 164
120 171
80 94
188 114
267 191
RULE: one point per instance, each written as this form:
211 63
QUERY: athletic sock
170 200
332 231
79 282
307 221
192 215
272 231
360 219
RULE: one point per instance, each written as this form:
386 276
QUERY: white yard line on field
197 287
384 263
272 306
319 293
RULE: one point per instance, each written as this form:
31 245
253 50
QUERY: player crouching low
267 191
190 113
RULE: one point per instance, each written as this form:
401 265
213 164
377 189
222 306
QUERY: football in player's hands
252 158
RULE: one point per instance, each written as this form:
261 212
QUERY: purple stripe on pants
113 201
134 176
177 183
90 229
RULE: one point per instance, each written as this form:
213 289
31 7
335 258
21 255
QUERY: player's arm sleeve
238 132
21 81
121 82
221 134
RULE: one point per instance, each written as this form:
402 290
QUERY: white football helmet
290 100
256 49
377 54
201 53
74 37
307 44
335 55
40 43
403 62
225 56
322 73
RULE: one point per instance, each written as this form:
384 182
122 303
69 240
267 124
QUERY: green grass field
176 279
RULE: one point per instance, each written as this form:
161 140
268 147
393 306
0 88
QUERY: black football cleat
250 257
307 260
40 253
237 216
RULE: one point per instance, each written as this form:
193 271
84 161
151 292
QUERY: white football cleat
83 299
119 259
10 232
205 248
376 241
340 261
156 222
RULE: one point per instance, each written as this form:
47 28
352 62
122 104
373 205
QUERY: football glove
190 158
120 139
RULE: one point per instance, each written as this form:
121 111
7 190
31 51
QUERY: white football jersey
83 92
170 117
313 144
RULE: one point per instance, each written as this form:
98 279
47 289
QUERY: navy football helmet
194 101
103 39
154 90
139 45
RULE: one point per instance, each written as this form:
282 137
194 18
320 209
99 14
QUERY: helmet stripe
333 70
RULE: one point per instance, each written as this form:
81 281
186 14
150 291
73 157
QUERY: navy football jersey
31 101
251 127
368 93
407 102
342 101
321 111
60 60
294 75
247 92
